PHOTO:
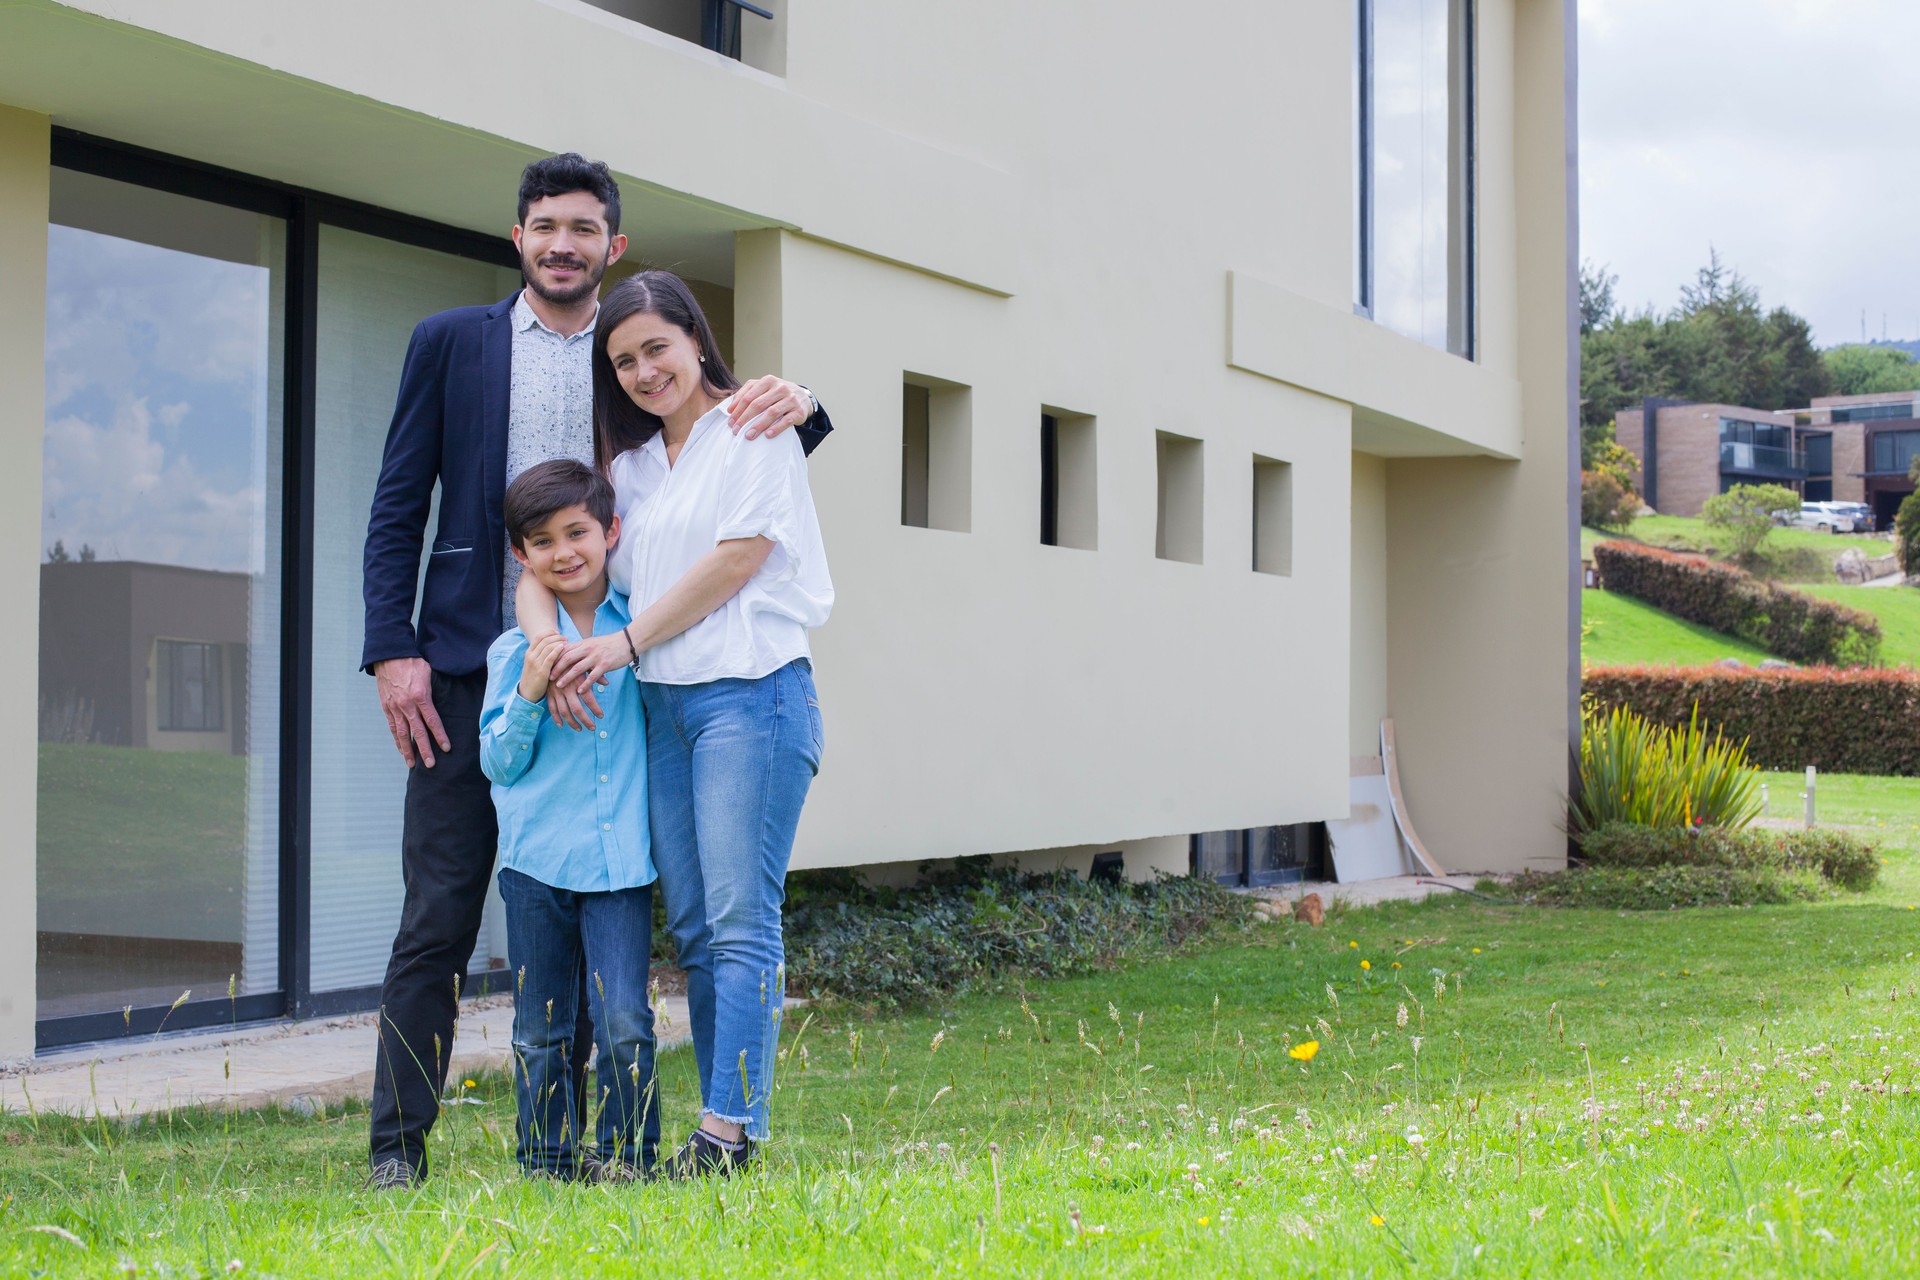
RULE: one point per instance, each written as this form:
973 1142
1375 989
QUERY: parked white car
1827 517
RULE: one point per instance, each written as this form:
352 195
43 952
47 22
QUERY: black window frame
172 683
304 212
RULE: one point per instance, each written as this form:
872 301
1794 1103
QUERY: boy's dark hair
618 423
551 486
570 171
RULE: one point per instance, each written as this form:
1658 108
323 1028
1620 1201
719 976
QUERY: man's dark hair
570 171
555 485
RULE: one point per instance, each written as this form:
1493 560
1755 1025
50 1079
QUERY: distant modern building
1888 426
1838 449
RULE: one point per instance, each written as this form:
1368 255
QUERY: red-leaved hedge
1792 624
1843 721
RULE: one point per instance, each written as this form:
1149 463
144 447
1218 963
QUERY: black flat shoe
706 1156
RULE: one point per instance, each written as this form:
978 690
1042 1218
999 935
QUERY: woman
723 564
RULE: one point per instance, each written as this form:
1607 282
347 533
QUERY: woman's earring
703 359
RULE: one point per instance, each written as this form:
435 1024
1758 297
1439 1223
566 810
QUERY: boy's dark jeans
446 859
549 932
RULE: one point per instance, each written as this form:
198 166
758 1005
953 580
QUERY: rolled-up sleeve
758 497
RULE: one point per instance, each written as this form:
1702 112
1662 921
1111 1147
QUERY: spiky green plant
1634 771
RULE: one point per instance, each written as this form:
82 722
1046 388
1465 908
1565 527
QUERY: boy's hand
537 672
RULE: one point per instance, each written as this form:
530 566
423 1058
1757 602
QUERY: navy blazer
450 425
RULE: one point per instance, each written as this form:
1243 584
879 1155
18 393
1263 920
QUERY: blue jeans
728 767
548 932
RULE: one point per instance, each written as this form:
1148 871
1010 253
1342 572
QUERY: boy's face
567 552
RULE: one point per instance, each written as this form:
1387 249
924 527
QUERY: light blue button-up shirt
572 803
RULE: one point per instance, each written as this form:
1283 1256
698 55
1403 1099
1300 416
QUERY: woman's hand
587 662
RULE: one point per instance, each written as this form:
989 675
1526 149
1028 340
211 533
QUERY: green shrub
1855 721
1744 514
1637 772
1835 856
1792 624
1906 528
889 947
1667 888
1606 500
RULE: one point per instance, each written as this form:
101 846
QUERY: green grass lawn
1897 608
1530 1093
1788 555
128 835
1620 629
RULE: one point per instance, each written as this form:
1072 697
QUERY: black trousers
446 859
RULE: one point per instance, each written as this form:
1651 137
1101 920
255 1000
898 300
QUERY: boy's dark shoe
392 1174
706 1156
615 1172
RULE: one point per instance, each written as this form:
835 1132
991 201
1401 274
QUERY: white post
1811 772
1763 799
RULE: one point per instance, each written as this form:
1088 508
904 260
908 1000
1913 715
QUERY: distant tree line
1717 346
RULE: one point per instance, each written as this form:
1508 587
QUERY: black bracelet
625 631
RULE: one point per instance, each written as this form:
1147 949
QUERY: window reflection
159 600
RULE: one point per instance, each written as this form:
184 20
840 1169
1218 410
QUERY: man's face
567 552
565 247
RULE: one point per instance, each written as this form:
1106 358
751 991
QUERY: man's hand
406 695
768 406
538 667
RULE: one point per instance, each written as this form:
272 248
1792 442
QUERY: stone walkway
303 1065
1366 893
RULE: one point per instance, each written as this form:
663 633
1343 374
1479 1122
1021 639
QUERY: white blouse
720 488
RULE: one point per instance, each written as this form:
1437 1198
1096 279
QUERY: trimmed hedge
1667 888
974 924
1856 721
1792 624
1843 859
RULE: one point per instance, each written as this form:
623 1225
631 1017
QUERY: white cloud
114 487
1772 130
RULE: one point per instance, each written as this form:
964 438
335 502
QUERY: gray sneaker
392 1174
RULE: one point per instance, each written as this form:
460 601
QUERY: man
485 393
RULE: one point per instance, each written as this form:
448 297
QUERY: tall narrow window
1414 169
1177 529
1069 515
159 676
936 454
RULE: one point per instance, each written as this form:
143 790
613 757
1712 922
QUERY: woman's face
658 364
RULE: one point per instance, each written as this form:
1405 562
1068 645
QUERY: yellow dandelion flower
1396 964
1304 1051
467 1084
1377 1220
1476 951
1204 1221
1353 946
1366 965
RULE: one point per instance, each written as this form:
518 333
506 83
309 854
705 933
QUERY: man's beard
587 288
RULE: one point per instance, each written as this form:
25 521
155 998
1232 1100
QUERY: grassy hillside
1789 555
1620 629
1897 608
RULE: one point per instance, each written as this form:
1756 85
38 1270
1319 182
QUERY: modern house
1205 386
1838 449
1690 452
1888 426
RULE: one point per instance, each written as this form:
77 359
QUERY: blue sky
1778 131
156 403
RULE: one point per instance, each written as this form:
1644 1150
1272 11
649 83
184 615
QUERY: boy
575 866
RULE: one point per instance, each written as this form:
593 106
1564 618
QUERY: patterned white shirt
550 410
